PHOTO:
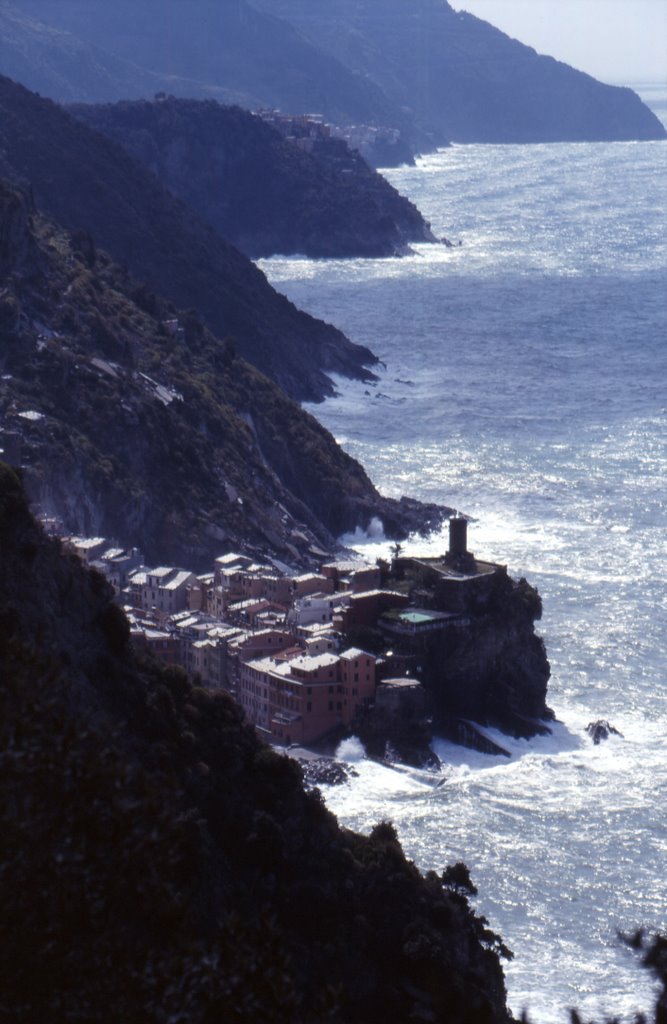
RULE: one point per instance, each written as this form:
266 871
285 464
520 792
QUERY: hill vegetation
87 182
259 190
137 422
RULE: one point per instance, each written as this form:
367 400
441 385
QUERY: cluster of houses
305 131
310 133
278 641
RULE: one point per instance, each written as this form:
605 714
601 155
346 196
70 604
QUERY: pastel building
300 699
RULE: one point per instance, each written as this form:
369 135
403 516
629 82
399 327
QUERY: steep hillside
229 51
137 422
159 863
57 64
465 80
87 182
255 188
422 67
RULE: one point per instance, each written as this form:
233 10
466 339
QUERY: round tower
458 537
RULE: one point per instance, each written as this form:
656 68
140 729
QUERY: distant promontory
270 184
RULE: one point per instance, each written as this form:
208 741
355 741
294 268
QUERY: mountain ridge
464 79
90 183
431 72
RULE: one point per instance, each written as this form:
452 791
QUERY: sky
623 42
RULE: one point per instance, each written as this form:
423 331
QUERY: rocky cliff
87 182
260 191
479 659
492 669
137 422
159 861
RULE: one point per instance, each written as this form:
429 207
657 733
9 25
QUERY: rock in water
601 730
324 772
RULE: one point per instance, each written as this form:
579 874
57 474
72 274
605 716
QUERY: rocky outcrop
145 826
259 190
492 667
601 730
397 727
479 658
325 771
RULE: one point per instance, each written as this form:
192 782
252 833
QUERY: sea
524 382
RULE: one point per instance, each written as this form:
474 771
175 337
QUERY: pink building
301 699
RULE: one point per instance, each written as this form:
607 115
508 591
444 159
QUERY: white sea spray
524 383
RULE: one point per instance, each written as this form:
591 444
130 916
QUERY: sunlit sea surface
525 383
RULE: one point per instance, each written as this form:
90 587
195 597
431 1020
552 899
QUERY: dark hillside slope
87 182
158 435
465 80
159 863
257 189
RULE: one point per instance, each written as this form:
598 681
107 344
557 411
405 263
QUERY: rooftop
311 662
179 580
470 569
162 572
354 652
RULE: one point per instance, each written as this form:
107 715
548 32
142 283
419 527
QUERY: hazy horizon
622 42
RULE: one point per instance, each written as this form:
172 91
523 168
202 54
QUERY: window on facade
339 706
330 705
331 689
309 706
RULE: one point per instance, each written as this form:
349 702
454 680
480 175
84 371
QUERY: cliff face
259 190
494 670
146 828
138 423
87 182
483 662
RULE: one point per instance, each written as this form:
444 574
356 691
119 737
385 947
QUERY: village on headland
311 657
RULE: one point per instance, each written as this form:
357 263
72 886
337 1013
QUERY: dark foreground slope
259 190
465 80
158 434
160 864
85 181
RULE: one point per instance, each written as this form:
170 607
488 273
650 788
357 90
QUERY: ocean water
525 383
